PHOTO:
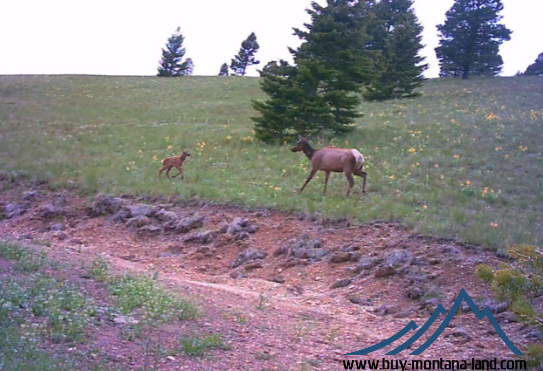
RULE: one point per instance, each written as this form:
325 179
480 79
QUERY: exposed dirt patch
286 292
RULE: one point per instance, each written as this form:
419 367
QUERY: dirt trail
303 291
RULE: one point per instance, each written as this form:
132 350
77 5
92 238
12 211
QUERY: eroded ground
286 291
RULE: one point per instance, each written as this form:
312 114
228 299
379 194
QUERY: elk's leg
362 174
180 172
349 176
168 173
327 176
160 171
311 174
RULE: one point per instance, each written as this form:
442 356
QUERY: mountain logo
437 312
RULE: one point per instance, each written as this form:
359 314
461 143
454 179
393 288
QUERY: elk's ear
308 138
300 137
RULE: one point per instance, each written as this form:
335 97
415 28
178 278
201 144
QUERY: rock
360 300
166 254
397 257
61 236
248 255
239 229
506 317
29 195
104 204
302 248
76 241
431 303
386 309
460 332
186 225
415 292
366 263
277 279
150 229
125 320
202 237
140 210
120 216
341 283
165 216
293 262
57 227
252 266
296 290
14 209
60 201
223 240
494 306
340 257
138 221
237 275
49 211
534 334
316 243
405 314
386 271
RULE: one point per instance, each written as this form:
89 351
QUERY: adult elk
331 159
170 162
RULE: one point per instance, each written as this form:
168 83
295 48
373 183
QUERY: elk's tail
359 164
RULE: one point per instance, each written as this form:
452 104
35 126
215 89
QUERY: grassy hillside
463 160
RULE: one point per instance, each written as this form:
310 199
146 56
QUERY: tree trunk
465 75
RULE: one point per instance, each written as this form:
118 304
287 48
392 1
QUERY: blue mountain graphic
438 311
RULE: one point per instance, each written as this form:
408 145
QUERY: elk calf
170 162
331 159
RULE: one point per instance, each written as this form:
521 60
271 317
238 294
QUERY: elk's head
302 143
185 153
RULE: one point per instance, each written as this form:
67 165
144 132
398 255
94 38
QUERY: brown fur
331 159
170 162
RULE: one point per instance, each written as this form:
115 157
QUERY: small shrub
196 346
99 269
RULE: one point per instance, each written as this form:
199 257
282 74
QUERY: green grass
464 160
42 313
196 346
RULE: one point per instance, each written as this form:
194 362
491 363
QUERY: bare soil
280 312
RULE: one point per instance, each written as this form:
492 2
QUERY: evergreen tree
246 56
471 38
171 64
319 93
536 68
190 67
224 70
396 36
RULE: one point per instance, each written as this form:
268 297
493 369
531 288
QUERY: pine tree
224 70
536 68
171 64
246 56
396 35
470 39
321 92
190 67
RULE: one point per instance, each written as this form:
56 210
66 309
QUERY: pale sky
125 37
